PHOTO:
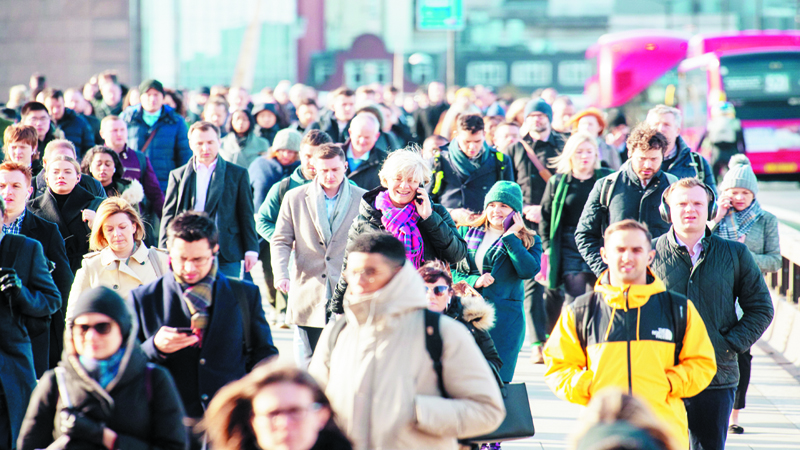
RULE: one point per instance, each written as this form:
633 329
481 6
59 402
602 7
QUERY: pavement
771 419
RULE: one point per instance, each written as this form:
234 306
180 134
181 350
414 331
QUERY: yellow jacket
103 268
630 344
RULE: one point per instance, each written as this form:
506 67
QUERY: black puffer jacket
478 316
440 239
713 286
143 417
629 200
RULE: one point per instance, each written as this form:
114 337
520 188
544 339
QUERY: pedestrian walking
104 393
740 218
273 408
119 260
638 336
718 272
401 207
385 308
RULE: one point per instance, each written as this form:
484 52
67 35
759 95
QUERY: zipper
628 341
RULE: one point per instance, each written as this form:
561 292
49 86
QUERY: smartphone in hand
508 222
184 330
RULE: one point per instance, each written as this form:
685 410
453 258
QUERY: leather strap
153 133
543 172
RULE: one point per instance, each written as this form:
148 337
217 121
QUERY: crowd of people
408 239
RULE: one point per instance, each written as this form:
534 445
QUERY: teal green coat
508 271
555 193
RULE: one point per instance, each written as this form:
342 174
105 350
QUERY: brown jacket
317 260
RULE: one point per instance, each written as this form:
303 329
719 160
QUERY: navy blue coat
47 234
169 148
199 372
683 165
458 191
39 299
76 130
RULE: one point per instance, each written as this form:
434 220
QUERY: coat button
327 258
141 263
321 243
204 397
202 361
116 286
323 275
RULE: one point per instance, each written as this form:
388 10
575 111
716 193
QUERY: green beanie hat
740 175
506 192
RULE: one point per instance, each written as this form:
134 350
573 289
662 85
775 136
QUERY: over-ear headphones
663 208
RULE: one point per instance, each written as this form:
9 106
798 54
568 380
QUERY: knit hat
539 105
104 301
151 84
506 192
740 175
287 139
596 113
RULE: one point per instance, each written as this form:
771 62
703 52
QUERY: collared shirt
202 180
354 162
330 203
693 253
13 227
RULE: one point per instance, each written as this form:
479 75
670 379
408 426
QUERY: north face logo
663 334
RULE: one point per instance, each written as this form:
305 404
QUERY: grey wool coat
763 242
317 263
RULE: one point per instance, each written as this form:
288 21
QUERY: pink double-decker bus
758 72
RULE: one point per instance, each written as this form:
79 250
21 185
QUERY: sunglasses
438 290
101 328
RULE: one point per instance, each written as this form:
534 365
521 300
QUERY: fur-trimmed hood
474 310
133 193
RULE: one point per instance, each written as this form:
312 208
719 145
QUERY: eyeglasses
294 414
201 261
437 290
101 328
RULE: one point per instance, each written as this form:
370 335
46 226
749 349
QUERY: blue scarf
467 166
474 238
103 370
739 223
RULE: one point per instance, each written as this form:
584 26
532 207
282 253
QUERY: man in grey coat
715 273
314 220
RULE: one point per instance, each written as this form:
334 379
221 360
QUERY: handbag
518 423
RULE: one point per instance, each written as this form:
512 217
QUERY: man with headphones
715 273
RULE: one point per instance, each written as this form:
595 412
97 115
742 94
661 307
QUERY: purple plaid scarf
474 237
402 224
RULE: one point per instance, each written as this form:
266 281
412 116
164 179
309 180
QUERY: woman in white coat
120 260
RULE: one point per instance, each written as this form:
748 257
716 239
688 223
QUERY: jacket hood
478 312
637 294
405 292
133 193
133 358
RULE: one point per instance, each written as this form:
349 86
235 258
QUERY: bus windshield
764 85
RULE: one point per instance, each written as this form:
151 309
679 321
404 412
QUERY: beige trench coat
380 378
100 269
315 262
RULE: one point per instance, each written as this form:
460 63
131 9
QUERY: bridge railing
787 280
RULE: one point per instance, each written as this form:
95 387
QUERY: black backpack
433 343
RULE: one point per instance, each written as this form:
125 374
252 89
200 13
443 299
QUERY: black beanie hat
104 301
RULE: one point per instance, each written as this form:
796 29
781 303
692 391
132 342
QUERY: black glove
81 428
10 284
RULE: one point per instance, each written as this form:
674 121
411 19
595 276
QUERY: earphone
663 208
